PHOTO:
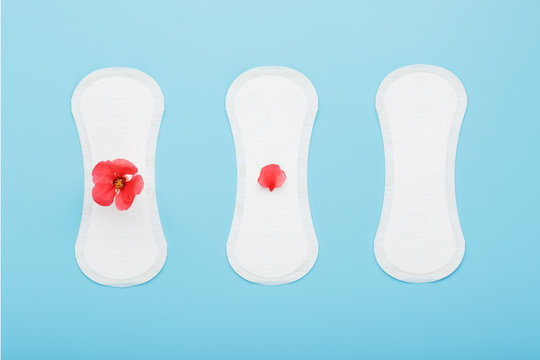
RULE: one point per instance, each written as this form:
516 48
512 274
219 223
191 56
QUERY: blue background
197 307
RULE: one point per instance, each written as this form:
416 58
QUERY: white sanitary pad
420 109
118 112
271 111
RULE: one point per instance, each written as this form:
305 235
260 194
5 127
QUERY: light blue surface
197 307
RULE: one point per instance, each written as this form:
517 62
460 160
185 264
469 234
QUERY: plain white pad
420 109
272 111
118 112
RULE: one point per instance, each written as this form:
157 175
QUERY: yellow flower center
119 183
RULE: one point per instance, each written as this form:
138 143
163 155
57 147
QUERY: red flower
272 177
116 179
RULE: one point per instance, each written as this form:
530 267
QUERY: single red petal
136 184
128 192
103 194
271 177
103 173
123 167
125 198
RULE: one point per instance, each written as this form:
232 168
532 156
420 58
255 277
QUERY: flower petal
125 198
127 194
136 183
103 173
272 177
123 167
103 194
